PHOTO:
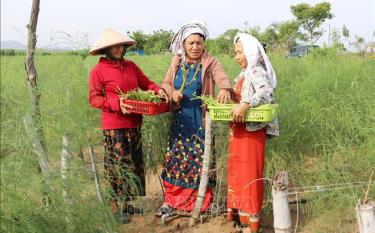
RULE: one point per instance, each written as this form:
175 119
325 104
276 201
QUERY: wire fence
82 168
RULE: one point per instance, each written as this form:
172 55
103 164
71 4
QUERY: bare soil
328 222
148 223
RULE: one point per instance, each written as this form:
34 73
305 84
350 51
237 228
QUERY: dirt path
151 224
148 223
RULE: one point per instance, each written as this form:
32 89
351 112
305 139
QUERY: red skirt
245 166
184 198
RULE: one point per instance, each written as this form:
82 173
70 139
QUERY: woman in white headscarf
254 87
193 72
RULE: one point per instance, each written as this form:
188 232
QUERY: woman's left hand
163 94
239 112
124 107
223 96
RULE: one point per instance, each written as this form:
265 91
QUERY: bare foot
114 206
242 230
246 230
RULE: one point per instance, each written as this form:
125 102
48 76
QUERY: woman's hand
163 94
223 96
176 96
124 107
239 112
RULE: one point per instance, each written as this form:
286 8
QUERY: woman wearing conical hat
123 159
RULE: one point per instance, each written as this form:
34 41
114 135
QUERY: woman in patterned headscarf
193 72
254 87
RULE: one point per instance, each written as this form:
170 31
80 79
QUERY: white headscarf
193 27
253 49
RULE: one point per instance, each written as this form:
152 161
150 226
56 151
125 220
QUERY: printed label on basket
256 115
147 108
263 113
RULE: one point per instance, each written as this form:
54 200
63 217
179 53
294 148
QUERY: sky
76 23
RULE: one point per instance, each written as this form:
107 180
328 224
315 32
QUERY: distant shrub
11 52
44 52
82 52
330 52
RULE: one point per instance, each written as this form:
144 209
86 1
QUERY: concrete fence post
366 217
281 212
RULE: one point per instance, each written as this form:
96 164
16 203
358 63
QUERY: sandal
232 214
130 209
164 210
242 230
121 218
255 223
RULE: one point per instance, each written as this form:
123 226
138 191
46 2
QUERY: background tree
311 18
155 43
271 37
335 37
223 44
255 31
141 39
289 34
158 42
360 44
345 32
281 36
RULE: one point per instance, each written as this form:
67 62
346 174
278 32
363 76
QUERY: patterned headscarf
253 49
193 27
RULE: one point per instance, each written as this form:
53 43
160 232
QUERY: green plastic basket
262 113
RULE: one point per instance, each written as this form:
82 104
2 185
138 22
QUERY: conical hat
110 38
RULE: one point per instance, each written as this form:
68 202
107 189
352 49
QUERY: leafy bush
11 52
328 52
